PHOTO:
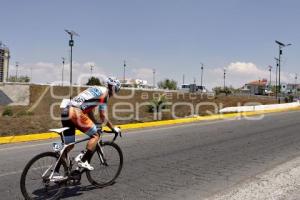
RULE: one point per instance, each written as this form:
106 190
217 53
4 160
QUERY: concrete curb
45 136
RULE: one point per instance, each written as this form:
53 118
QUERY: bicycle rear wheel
107 162
35 183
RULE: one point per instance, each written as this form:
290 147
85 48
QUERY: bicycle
43 171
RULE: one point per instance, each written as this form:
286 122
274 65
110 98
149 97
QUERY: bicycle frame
101 155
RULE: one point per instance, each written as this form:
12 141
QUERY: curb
47 135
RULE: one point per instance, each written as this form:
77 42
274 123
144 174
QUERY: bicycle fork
100 154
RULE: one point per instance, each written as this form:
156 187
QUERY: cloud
143 73
246 69
47 72
239 73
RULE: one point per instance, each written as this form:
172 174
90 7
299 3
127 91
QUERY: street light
281 45
17 67
124 65
270 70
276 75
92 67
201 75
62 71
154 78
224 78
71 44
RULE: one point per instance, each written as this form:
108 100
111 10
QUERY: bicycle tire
102 182
38 157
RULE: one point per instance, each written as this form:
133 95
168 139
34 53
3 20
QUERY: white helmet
115 83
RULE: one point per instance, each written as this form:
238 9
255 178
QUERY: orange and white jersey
91 98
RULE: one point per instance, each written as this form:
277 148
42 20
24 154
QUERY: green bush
7 112
156 104
24 112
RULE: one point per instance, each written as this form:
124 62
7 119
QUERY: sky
171 36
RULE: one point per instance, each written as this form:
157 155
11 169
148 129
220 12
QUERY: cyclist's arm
104 120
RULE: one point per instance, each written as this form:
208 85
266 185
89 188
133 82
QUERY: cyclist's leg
87 126
69 135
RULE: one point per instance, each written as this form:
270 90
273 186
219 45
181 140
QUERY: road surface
191 161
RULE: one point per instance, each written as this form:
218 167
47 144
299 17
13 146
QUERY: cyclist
79 113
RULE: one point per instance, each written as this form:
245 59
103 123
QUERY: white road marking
10 173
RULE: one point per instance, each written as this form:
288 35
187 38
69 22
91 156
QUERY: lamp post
224 78
92 67
62 71
154 78
281 45
296 77
202 75
276 75
17 68
71 44
270 70
31 74
124 65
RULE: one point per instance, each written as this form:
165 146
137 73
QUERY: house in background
193 88
135 83
290 88
257 87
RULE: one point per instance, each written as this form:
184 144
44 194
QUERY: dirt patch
44 112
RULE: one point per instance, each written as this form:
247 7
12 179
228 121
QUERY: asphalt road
185 161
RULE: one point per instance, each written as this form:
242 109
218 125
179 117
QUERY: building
4 62
193 88
289 88
257 87
135 83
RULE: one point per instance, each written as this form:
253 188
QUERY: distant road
190 161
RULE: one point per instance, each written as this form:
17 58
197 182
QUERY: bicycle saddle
59 130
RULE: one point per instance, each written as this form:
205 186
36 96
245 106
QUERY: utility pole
62 71
124 71
224 78
296 77
71 44
31 74
154 78
17 68
202 76
281 45
270 70
92 67
276 86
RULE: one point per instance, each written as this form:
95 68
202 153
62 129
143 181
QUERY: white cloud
247 69
46 72
143 73
239 73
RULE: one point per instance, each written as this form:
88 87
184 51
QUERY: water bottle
57 146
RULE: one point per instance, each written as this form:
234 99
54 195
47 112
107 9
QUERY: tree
227 90
167 84
22 79
93 81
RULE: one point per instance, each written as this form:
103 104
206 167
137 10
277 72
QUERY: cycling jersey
91 98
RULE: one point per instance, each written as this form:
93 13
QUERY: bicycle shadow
78 190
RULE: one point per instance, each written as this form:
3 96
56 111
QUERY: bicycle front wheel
35 182
107 162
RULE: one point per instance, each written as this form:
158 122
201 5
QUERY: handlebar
116 134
